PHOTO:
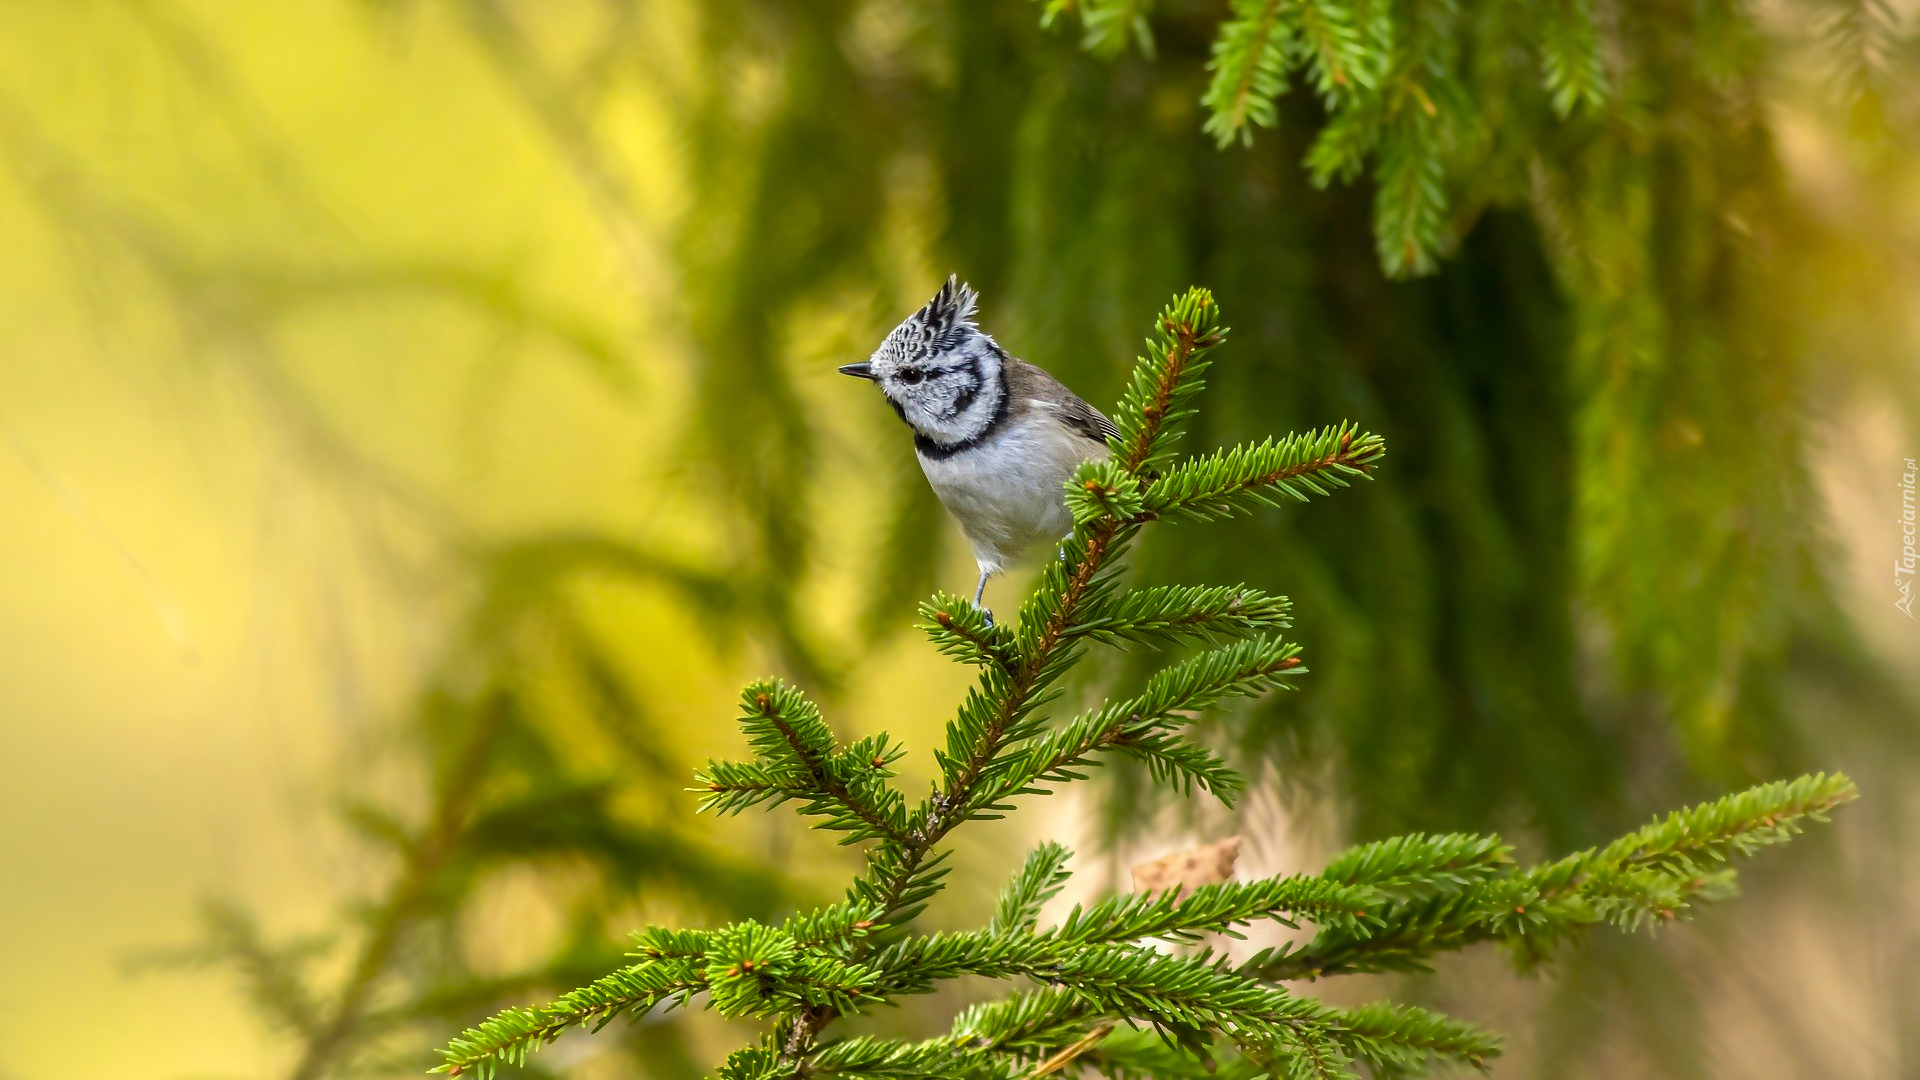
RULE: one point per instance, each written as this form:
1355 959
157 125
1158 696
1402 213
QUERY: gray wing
1036 383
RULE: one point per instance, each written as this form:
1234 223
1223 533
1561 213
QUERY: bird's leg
981 591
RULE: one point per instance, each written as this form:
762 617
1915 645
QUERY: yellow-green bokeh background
200 619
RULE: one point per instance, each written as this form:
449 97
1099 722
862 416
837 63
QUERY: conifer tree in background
508 783
1548 249
528 745
1105 998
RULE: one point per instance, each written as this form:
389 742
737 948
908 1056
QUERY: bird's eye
911 375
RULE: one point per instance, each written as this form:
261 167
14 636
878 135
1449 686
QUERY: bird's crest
950 309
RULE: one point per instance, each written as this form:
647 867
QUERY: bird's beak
861 370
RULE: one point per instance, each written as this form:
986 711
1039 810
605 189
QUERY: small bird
997 437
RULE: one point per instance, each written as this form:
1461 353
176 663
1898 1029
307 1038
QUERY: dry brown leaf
1188 869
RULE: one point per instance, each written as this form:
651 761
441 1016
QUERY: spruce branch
1738 824
275 973
1110 24
1402 938
1040 879
1646 878
1396 1040
1217 909
1400 90
1341 148
919 964
510 1035
831 929
1249 68
1144 726
1198 994
1176 992
1866 46
1103 489
867 1058
1174 614
800 761
1342 63
1234 481
1388 905
962 631
1410 197
1130 1052
424 855
1166 380
1415 865
1571 66
1030 1023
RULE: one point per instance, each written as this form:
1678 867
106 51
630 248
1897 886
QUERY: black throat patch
937 451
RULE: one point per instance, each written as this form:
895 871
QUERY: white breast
1007 493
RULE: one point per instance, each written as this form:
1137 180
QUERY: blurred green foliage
1591 582
1604 398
